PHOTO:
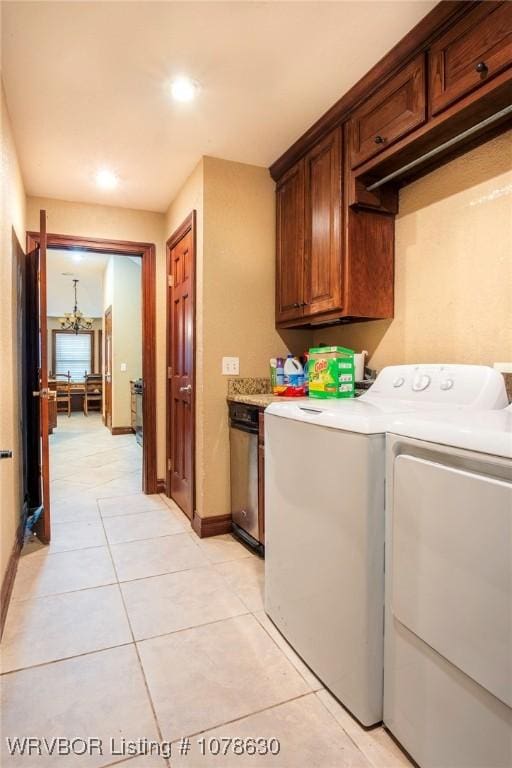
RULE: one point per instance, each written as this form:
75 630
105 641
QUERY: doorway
181 333
145 252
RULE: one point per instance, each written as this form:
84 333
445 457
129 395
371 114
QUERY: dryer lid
481 431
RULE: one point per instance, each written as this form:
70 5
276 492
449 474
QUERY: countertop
260 400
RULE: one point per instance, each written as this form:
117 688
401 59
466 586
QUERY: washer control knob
421 382
446 384
399 382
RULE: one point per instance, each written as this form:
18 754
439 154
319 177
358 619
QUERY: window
74 353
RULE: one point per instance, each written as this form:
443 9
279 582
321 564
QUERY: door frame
108 358
147 252
188 225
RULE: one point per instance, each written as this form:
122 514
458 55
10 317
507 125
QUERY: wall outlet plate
123 366
230 366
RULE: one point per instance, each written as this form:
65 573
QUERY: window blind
73 353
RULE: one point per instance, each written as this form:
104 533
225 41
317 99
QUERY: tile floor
130 627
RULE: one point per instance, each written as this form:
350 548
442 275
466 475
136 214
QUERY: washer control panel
433 385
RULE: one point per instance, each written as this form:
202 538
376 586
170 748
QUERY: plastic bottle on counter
279 371
293 372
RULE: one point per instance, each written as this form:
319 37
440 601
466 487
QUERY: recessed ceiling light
77 257
183 89
106 179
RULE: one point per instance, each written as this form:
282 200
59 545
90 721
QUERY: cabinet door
323 251
478 47
290 244
392 112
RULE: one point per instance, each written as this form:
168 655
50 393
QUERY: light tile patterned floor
130 627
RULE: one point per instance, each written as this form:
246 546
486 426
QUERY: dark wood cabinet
392 112
474 50
322 241
346 256
290 244
338 184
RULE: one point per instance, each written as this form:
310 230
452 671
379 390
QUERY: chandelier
75 320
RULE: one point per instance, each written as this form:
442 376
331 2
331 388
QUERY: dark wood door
392 112
38 457
475 49
108 368
323 254
290 244
181 366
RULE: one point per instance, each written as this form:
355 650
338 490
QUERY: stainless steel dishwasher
243 443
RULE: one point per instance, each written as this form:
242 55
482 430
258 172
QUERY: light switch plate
230 366
123 366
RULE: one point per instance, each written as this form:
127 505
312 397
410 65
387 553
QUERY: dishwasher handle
243 427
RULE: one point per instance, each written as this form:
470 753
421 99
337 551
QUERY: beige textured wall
235 302
12 216
123 292
238 302
119 224
453 282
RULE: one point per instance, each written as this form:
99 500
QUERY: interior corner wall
12 243
453 268
113 223
238 303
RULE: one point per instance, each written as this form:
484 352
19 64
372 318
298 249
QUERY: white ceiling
87 84
89 270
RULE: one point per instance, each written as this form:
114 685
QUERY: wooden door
181 259
38 448
290 244
108 368
323 250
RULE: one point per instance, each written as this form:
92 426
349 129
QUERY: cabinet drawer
478 47
391 113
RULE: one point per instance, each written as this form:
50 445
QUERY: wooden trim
161 486
211 526
418 39
189 224
147 252
100 351
10 573
55 331
122 431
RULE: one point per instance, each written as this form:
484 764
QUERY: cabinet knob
482 68
379 140
305 304
296 305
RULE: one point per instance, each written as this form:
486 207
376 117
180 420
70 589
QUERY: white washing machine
448 633
324 519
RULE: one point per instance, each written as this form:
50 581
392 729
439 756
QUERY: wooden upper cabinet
290 244
323 256
470 53
394 110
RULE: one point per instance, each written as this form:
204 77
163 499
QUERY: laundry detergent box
331 372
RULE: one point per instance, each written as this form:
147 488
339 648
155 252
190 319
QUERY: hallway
129 627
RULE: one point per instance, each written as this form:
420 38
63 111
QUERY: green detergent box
331 372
